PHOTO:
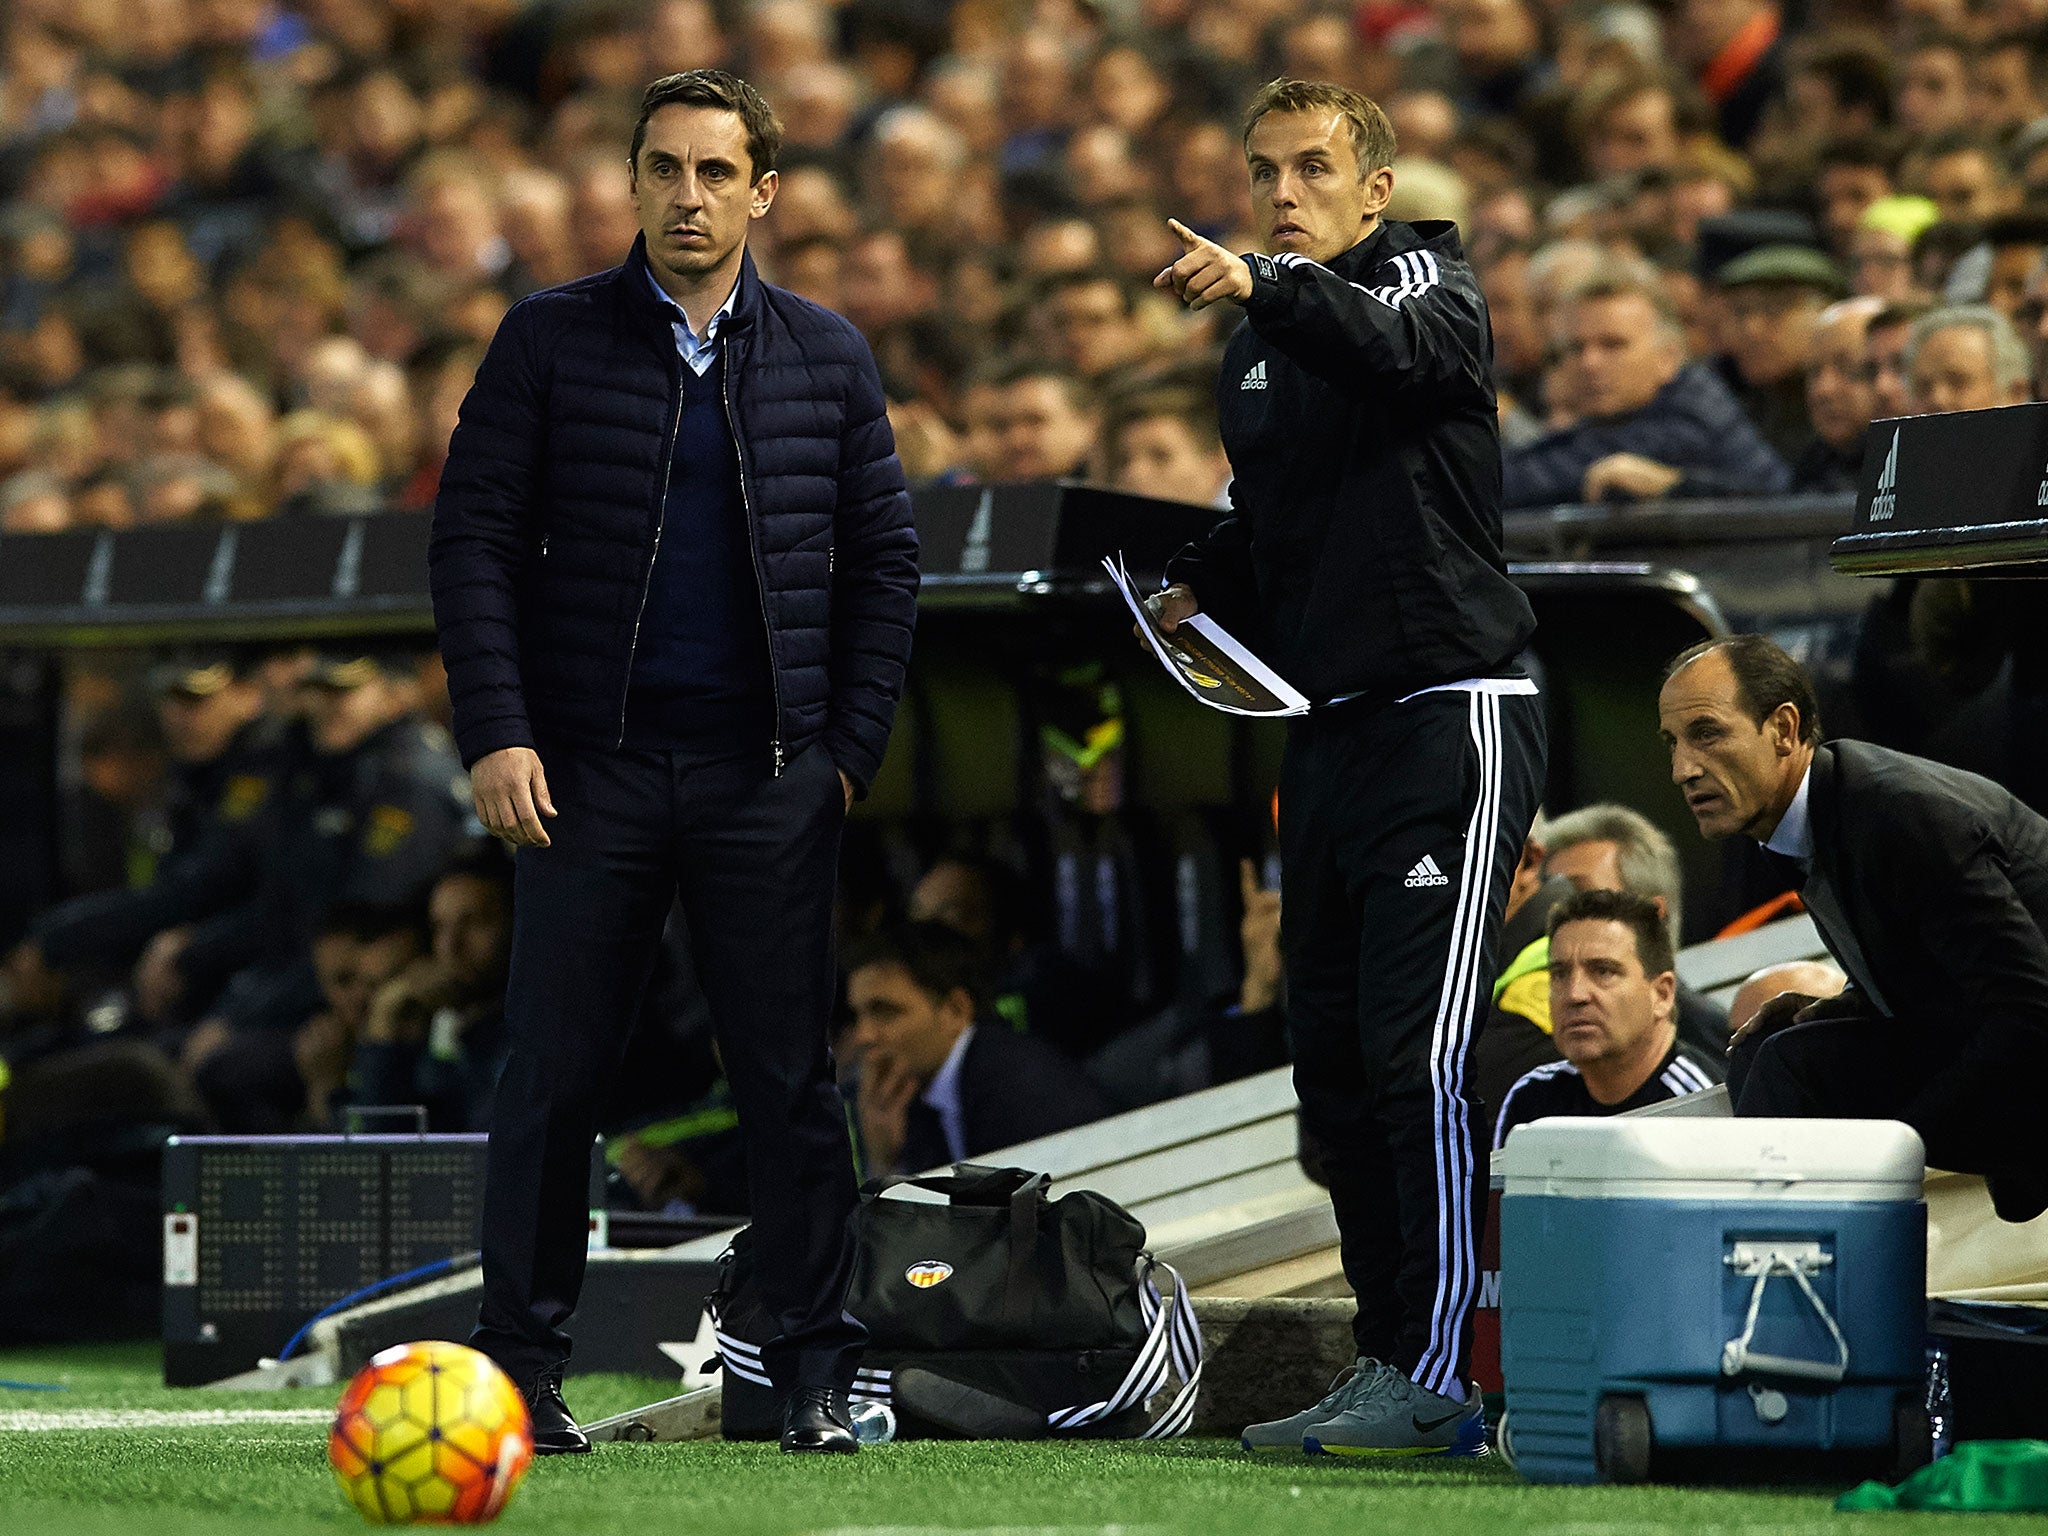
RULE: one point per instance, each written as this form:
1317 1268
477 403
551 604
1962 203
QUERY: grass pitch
117 1452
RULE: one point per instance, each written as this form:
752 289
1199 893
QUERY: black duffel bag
1050 1307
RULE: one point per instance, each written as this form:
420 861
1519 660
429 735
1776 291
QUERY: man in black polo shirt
1613 1014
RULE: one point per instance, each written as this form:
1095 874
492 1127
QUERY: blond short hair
1372 135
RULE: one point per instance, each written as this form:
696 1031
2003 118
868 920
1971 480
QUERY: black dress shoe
554 1427
816 1419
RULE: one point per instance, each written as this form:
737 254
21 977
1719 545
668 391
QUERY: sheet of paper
1212 664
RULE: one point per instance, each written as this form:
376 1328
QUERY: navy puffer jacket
544 528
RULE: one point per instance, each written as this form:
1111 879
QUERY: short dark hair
369 921
940 960
1193 408
1080 394
1857 70
1967 141
1936 37
1638 913
2029 226
1057 283
1765 677
724 92
485 862
1876 151
1372 134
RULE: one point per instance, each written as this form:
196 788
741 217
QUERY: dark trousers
1972 1095
1400 826
754 859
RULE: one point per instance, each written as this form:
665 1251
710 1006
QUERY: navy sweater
700 671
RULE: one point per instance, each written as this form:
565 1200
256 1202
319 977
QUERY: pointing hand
1206 273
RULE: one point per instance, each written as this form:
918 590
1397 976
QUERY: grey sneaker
1401 1419
1353 1383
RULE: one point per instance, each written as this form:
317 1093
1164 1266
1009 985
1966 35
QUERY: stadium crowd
251 251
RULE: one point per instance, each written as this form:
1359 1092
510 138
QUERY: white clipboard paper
1210 662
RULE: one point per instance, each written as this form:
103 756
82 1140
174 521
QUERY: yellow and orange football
430 1434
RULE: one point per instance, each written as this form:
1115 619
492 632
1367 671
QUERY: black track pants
1400 826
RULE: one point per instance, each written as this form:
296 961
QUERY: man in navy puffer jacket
675 579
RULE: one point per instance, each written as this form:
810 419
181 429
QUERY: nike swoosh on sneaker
1428 1426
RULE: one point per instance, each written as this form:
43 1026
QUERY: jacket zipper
661 516
753 543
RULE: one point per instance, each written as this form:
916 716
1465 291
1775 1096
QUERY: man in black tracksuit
1363 558
675 578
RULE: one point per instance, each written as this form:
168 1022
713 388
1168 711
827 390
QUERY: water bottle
1940 1405
873 1423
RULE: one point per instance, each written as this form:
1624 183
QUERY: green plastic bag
1994 1476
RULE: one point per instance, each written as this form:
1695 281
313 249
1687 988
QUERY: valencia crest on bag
993 1313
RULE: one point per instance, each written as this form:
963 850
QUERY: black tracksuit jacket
1363 550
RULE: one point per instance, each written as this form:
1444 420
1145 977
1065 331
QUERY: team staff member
675 578
1614 1015
1364 551
1930 888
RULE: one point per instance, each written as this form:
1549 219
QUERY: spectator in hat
1839 399
1771 299
1965 357
1652 424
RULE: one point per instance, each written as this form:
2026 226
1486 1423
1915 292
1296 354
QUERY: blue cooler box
1711 1285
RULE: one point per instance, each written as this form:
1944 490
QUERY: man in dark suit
1929 886
940 1081
675 578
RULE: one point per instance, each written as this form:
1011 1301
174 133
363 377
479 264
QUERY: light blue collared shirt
942 1093
697 351
1793 837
